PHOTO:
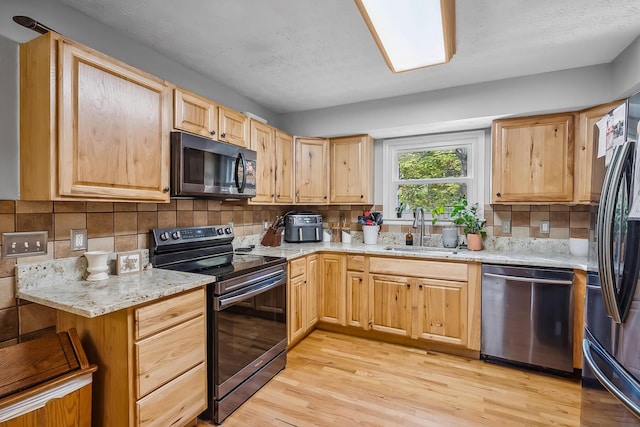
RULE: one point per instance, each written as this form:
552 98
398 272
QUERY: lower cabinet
333 289
147 356
425 300
302 295
357 293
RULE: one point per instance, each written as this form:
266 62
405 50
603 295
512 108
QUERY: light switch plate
29 243
79 240
544 227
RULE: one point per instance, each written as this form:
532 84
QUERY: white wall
9 120
460 108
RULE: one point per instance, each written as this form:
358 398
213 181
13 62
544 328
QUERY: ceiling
296 55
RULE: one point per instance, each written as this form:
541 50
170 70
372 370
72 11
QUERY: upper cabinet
275 164
533 159
351 166
92 128
589 169
312 170
195 114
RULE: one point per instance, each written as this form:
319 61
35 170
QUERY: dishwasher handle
530 279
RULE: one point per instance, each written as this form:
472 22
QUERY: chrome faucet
418 222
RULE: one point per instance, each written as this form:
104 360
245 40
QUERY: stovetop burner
205 250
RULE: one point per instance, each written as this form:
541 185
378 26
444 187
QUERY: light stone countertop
510 256
59 284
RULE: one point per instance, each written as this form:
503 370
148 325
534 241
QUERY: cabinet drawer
298 267
417 268
177 403
355 262
164 356
164 314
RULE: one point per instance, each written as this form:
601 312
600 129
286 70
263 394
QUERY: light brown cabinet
333 293
92 128
302 294
194 114
198 115
275 164
357 302
589 170
311 170
150 355
533 159
351 170
433 301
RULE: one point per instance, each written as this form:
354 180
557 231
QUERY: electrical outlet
544 227
265 225
29 243
79 240
506 226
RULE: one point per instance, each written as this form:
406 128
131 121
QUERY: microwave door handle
242 185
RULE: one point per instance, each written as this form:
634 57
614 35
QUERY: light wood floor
338 380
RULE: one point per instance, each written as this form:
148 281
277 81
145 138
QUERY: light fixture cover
411 34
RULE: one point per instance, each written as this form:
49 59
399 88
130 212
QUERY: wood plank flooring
338 380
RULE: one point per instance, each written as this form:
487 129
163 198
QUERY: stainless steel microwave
201 167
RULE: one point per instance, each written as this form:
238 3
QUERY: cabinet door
533 159
311 285
284 168
311 170
357 301
333 294
194 114
589 170
442 311
113 129
390 304
262 142
351 170
295 310
233 127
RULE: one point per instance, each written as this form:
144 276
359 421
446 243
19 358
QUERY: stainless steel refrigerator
611 345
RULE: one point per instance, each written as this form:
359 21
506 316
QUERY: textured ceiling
295 55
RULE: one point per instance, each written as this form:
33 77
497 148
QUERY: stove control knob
164 236
175 235
228 230
220 231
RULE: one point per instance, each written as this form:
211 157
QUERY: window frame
474 141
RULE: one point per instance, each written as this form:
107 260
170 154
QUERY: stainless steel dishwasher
527 316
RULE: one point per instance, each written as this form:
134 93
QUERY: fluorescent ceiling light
411 33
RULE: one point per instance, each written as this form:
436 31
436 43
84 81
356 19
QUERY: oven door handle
222 302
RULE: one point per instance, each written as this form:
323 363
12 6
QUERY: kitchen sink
430 249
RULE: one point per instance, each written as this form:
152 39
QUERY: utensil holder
370 233
272 237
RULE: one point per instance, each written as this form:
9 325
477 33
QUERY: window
432 170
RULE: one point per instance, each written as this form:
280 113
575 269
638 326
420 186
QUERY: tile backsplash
125 226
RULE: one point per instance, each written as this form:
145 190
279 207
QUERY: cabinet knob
420 286
325 197
362 196
223 134
408 286
213 132
166 189
272 195
498 194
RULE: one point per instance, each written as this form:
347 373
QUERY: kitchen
124 226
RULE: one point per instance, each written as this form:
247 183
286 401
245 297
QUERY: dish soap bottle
409 239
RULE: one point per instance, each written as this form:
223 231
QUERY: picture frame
129 262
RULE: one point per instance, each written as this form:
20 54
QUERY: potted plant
400 209
467 215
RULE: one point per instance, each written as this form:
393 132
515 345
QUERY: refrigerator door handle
604 228
588 348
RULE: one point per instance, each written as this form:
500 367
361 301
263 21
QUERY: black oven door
249 329
202 167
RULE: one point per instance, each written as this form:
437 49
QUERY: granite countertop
59 284
510 256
